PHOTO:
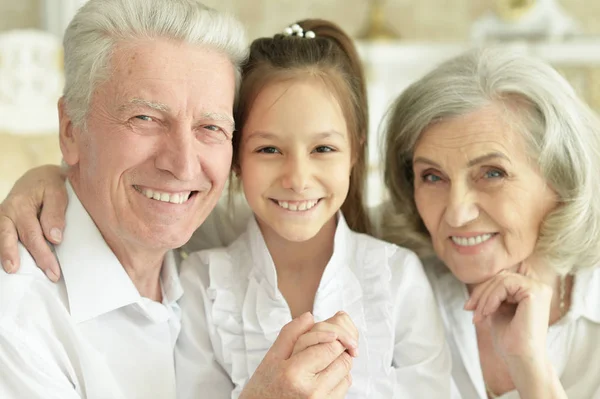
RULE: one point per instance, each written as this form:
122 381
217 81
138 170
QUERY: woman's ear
68 135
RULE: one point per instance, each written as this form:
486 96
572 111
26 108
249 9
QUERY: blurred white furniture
533 19
31 81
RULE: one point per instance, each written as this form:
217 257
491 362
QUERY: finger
511 288
9 252
491 299
313 338
476 294
317 358
334 374
283 346
341 389
30 234
343 319
52 216
347 338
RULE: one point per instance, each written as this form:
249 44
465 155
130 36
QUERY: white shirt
573 342
233 311
91 335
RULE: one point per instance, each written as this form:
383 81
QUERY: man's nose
180 155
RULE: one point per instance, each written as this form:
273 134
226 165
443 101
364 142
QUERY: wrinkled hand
40 191
321 370
339 326
517 306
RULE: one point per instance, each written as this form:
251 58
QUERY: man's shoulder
28 294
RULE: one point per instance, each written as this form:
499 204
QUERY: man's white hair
100 24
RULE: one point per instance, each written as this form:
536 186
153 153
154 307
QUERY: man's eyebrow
215 116
144 103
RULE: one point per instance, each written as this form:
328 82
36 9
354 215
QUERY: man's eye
214 128
145 118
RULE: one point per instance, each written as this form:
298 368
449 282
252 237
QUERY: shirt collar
95 280
585 297
263 262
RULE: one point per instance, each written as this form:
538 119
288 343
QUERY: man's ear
68 135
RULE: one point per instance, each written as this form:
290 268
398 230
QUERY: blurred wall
439 20
19 14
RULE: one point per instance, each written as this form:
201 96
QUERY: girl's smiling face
295 158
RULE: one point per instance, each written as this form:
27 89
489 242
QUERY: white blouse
573 342
233 311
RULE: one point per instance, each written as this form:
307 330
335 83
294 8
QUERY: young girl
300 155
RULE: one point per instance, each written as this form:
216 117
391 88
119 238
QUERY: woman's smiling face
479 194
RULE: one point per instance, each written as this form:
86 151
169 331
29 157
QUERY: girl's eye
268 150
323 148
431 178
494 174
145 118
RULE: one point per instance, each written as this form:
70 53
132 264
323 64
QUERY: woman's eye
323 148
268 150
145 118
494 174
431 178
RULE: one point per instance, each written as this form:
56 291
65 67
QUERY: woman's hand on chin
516 306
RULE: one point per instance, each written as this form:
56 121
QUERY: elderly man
145 129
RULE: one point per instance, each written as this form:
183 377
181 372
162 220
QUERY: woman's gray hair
92 34
562 132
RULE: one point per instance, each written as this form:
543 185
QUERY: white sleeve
198 371
25 374
421 362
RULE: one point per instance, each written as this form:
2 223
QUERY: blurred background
399 41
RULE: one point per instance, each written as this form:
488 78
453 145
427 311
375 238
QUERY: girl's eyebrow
271 136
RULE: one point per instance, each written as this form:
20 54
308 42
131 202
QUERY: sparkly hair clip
296 30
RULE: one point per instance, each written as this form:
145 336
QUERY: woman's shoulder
376 249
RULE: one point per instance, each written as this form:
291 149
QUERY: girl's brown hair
331 57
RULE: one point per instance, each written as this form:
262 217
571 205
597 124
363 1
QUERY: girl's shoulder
216 266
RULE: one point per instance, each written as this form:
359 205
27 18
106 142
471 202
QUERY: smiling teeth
177 198
469 242
297 205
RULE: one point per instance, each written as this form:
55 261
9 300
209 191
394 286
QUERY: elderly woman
492 169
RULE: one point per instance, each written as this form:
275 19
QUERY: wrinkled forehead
190 72
488 130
